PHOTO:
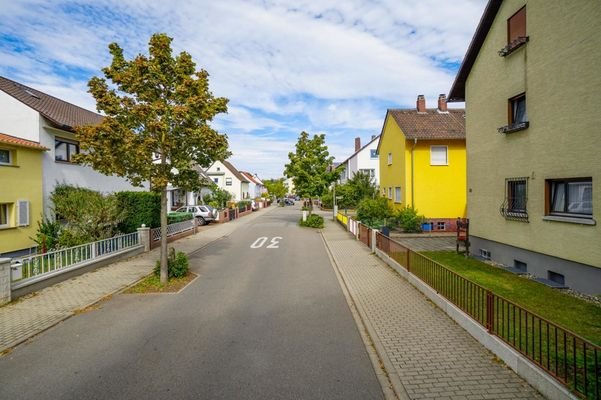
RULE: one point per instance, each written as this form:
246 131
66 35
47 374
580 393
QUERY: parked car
288 202
204 214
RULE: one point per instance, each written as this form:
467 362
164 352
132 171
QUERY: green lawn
579 316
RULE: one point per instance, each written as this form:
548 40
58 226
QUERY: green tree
374 212
310 167
156 126
218 198
276 187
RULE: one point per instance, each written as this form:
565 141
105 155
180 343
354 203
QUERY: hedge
140 208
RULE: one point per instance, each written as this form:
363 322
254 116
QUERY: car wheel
201 221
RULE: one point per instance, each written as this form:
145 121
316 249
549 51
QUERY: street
266 319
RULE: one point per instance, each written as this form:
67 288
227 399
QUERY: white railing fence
30 269
173 229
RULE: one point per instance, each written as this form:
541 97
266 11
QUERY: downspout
412 163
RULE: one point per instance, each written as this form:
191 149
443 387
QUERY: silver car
204 214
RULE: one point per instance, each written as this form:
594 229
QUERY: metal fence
569 358
172 229
30 269
365 234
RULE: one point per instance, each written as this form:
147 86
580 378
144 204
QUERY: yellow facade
436 191
20 181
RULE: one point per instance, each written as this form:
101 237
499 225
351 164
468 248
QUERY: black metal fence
569 358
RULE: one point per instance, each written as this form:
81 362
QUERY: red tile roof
15 141
60 113
430 125
250 177
234 171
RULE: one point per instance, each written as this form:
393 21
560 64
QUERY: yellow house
20 193
423 162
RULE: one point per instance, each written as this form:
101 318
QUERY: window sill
571 220
6 227
9 165
520 126
513 46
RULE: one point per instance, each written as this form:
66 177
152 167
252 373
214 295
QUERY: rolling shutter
23 213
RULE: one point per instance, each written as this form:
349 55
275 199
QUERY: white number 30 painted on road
273 244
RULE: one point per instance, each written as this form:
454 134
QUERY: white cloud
285 65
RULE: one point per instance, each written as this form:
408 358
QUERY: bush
409 220
374 212
313 221
139 208
327 201
48 234
243 204
174 217
177 265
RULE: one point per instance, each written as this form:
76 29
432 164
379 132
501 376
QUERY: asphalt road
265 320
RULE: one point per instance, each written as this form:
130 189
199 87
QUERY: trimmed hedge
140 208
174 217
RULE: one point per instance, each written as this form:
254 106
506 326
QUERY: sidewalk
34 313
425 353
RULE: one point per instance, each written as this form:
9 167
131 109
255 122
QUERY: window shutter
438 155
516 25
23 213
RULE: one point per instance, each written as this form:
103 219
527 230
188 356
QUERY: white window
438 155
228 181
4 214
390 193
389 158
5 157
397 194
23 213
369 172
440 226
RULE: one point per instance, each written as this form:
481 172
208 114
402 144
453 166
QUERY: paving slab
432 356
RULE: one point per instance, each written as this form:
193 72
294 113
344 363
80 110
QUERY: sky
330 67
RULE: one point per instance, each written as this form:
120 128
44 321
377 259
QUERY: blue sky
330 67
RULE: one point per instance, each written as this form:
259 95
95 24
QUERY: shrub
139 208
409 220
47 235
243 204
174 217
327 201
313 221
86 215
177 265
374 212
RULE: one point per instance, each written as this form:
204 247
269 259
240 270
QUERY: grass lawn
579 316
152 284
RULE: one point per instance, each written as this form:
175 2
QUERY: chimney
421 103
357 144
442 103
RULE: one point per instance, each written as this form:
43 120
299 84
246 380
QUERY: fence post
5 279
195 225
144 236
490 311
373 240
358 230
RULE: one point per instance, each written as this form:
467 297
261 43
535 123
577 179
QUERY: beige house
531 83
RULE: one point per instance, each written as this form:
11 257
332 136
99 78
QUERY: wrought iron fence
30 269
569 358
173 229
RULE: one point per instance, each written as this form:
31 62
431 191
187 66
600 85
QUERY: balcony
513 46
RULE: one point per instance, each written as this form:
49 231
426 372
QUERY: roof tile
8 139
431 124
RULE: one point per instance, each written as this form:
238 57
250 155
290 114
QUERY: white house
177 197
255 185
227 177
32 115
364 159
289 182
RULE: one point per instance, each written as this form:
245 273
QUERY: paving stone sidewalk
432 356
34 313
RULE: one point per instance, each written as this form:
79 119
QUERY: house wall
363 160
559 71
58 172
439 191
235 189
21 181
393 140
17 119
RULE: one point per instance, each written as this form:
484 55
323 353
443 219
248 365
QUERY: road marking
274 243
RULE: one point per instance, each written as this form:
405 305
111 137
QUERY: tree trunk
310 206
164 274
